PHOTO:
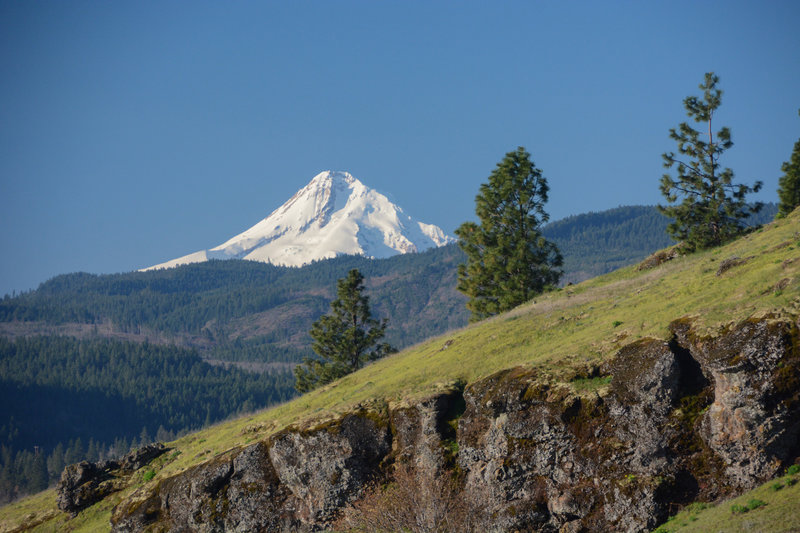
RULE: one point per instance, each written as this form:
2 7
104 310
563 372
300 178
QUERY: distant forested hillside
596 243
64 398
241 310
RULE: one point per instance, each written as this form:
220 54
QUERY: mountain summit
335 214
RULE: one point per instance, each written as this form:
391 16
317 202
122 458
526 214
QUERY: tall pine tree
709 209
789 184
345 339
508 260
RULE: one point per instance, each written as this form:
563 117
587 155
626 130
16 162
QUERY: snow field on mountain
335 214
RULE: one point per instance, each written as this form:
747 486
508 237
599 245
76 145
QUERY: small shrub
417 501
775 487
616 323
790 482
739 509
150 474
696 507
731 263
755 503
792 470
451 446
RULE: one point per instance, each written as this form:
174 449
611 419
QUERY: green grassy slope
597 243
773 507
557 333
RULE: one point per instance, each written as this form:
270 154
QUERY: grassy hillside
559 333
772 507
252 314
597 243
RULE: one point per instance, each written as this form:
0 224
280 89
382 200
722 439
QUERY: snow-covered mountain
334 214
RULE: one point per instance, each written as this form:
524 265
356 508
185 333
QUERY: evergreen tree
55 462
37 477
712 208
508 259
789 184
75 452
92 452
345 339
144 437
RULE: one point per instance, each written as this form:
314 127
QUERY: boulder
237 491
82 484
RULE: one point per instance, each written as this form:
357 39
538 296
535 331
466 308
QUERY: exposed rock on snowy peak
335 214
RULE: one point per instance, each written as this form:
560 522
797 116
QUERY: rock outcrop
663 424
85 483
753 423
326 468
236 491
424 434
297 480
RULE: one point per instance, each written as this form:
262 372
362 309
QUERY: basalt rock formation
665 423
85 483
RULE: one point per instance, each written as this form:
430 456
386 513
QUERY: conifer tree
55 462
508 259
345 339
789 184
711 209
37 475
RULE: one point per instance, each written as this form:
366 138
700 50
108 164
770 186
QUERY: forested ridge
597 243
59 392
206 299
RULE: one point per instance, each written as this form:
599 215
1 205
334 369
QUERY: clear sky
132 133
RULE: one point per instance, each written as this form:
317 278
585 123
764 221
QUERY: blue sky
136 132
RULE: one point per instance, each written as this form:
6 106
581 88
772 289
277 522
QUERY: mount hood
335 214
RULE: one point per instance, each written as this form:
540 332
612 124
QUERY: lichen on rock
326 468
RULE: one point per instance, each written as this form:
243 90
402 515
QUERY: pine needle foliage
345 340
789 184
708 208
509 261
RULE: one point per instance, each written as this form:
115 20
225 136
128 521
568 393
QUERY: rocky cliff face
663 424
